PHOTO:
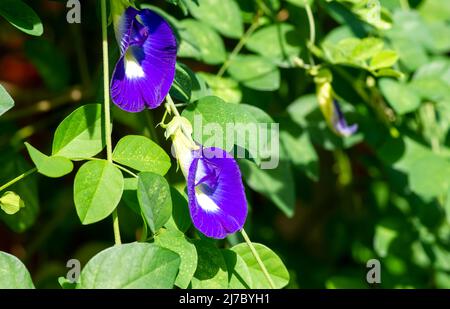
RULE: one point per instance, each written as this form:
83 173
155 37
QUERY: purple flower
146 68
339 122
217 202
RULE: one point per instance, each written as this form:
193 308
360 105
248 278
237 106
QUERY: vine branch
239 45
258 258
18 178
312 29
107 110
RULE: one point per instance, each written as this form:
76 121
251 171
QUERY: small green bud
11 203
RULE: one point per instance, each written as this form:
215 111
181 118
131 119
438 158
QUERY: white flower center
205 202
133 69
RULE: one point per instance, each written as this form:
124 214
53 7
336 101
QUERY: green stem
258 258
264 7
144 235
431 127
107 109
18 178
125 170
312 29
239 46
106 82
172 106
116 228
150 126
115 164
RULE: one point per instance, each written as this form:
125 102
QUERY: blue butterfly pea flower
145 70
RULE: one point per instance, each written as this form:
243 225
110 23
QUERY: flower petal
146 69
124 28
217 200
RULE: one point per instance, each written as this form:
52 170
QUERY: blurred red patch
16 69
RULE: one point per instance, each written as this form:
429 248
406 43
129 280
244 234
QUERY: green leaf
409 25
255 72
212 112
98 188
199 88
276 184
342 52
401 153
357 52
154 199
211 272
447 207
411 55
178 243
188 86
300 3
345 282
368 48
388 73
53 167
442 257
6 102
304 108
273 263
21 16
129 196
429 176
338 34
13 274
238 271
279 42
385 234
442 280
440 34
66 284
201 42
225 88
142 154
411 38
435 89
384 59
435 10
80 135
182 84
224 16
400 96
131 266
432 81
50 63
181 3
301 152
439 68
